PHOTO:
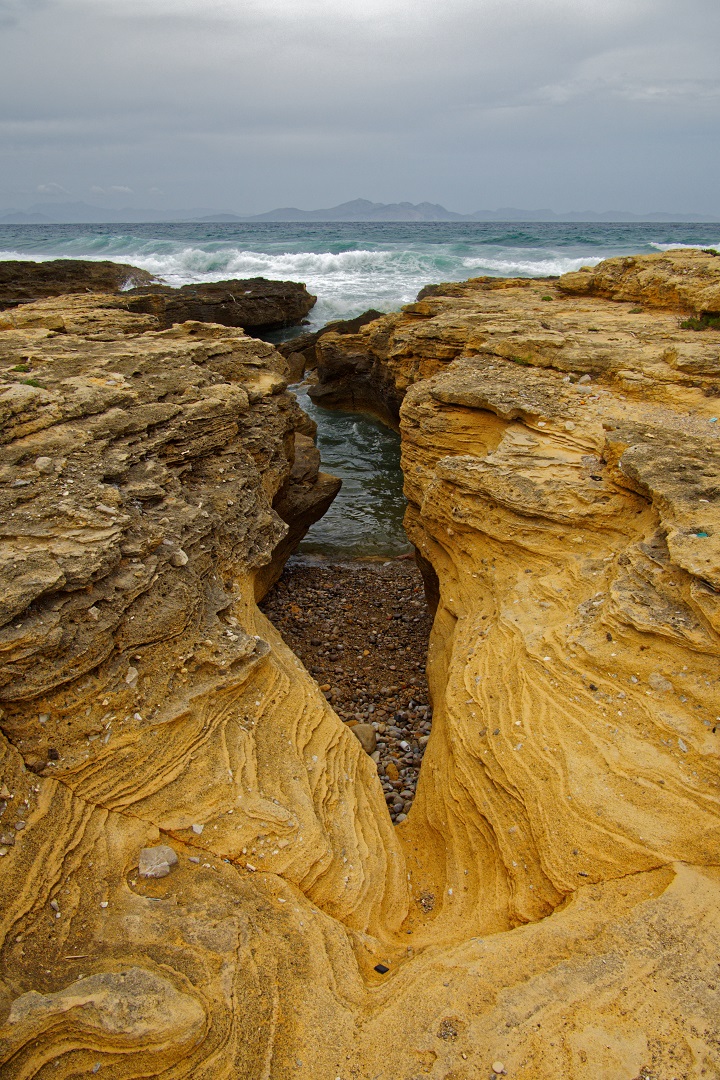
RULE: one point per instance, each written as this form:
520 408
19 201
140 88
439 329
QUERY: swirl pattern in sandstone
551 903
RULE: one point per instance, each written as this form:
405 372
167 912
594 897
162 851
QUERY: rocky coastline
254 304
199 864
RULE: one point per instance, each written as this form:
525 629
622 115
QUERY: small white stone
198 829
131 676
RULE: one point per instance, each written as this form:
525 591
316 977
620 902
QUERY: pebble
362 630
365 733
156 862
498 1068
658 682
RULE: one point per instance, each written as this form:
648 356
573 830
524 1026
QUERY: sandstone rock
559 867
300 352
683 279
258 304
580 334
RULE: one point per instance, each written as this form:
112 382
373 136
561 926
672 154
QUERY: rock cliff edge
550 907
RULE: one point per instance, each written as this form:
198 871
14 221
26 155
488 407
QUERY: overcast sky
251 104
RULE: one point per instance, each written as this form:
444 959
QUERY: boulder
23 281
255 304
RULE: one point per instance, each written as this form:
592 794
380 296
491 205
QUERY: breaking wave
349 267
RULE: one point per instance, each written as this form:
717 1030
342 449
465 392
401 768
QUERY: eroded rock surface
23 281
252 303
551 902
257 304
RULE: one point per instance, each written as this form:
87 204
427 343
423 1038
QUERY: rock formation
22 281
300 352
252 303
550 907
256 304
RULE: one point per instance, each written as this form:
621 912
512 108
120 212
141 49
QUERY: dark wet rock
253 304
22 282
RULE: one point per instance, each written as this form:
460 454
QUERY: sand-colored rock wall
551 904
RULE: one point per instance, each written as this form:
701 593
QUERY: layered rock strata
145 697
550 906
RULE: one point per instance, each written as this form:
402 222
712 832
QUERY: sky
246 105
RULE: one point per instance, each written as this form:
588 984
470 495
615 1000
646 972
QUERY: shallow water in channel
365 520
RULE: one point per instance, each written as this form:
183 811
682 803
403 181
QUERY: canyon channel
199 869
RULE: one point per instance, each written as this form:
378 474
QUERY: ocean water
365 519
351 267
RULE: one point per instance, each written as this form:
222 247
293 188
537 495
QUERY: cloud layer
248 104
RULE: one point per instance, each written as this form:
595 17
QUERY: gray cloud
474 103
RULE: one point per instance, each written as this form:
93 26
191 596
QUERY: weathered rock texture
301 353
256 304
560 867
23 282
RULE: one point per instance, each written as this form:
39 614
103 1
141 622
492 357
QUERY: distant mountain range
355 210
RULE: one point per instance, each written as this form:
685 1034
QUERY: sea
351 267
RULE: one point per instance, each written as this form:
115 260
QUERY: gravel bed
361 629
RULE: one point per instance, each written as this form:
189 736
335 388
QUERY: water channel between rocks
351 603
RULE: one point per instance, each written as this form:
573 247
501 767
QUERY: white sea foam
6 256
675 247
525 267
384 273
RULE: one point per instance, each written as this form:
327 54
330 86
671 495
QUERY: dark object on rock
381 969
53 754
253 304
22 282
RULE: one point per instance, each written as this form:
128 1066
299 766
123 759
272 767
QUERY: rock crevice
551 901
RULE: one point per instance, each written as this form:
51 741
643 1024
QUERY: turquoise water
365 520
352 267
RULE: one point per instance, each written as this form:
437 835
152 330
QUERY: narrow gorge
200 875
